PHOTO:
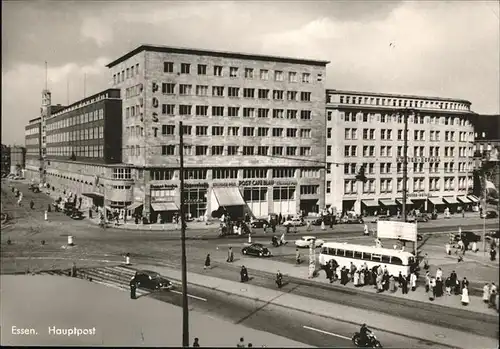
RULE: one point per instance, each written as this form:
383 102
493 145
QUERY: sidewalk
476 304
42 301
398 325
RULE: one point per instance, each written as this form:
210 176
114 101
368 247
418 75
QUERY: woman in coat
207 262
361 278
427 281
432 289
392 284
356 278
465 296
486 293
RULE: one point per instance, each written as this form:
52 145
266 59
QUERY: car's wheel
244 251
260 254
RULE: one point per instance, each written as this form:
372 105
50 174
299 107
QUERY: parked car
34 188
305 241
294 222
259 223
327 219
352 220
151 280
493 235
255 249
382 217
489 215
468 236
422 217
76 215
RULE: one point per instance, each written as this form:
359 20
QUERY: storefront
369 207
388 206
256 199
309 206
163 203
451 203
226 198
409 204
195 199
465 202
284 200
348 205
436 204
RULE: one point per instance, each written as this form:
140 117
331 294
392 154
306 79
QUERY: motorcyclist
274 240
279 279
364 334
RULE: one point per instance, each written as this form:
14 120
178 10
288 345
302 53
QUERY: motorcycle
276 242
372 342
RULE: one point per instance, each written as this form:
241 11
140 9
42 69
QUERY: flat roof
86 99
205 52
35 119
395 95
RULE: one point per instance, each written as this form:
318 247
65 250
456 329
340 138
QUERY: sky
439 48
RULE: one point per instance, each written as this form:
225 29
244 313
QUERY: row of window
366 256
77 135
87 151
235 72
231 150
386 134
77 120
31 131
386 151
357 116
126 74
399 102
386 185
232 173
205 110
133 91
386 168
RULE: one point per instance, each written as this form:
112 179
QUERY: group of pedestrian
490 295
436 286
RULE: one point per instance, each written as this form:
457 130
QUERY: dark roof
63 108
36 119
204 52
395 95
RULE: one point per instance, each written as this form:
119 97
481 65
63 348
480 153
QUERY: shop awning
134 205
387 202
370 203
164 206
450 200
93 195
436 201
408 201
464 199
228 197
473 198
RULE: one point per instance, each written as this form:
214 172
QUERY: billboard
397 230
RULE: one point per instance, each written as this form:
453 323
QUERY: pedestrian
474 247
432 286
73 270
344 276
427 281
356 279
413 281
32 204
230 255
439 273
493 295
493 254
297 256
207 262
439 287
448 285
352 270
309 228
133 288
465 282
465 296
486 293
241 343
454 282
405 284
392 284
196 343
361 278
243 274
426 262
447 247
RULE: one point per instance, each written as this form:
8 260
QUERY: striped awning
370 203
473 198
387 202
164 206
450 200
134 205
228 197
436 201
464 199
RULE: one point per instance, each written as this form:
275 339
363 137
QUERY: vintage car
151 280
255 249
305 242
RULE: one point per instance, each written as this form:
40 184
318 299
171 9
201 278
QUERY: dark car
493 235
258 250
468 236
422 217
151 280
77 215
489 215
259 223
327 219
352 220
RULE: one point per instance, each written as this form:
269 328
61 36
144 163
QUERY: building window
255 173
263 93
262 150
306 77
162 175
248 112
305 151
305 133
264 74
218 91
309 189
168 88
292 77
195 174
277 151
168 150
233 72
202 130
184 110
201 150
233 111
201 110
185 68
249 73
263 113
232 150
305 96
217 130
233 130
184 90
217 70
278 95
305 115
291 132
249 93
168 130
284 173
202 69
262 131
278 113
168 67
291 151
186 130
248 150
277 132
121 173
217 111
201 90
233 92
291 95
217 150
291 114
278 75
224 173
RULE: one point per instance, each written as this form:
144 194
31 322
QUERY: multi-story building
82 150
5 165
368 128
17 160
253 130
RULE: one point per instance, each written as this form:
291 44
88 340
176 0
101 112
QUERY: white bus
343 253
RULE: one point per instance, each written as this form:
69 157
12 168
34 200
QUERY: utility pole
405 161
185 309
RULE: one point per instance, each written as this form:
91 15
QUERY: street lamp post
185 309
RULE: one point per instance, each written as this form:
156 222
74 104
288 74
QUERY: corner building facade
368 128
253 127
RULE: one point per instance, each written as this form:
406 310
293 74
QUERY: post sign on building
397 230
430 159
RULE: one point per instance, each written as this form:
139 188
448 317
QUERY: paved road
299 326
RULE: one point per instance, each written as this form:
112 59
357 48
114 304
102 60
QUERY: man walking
230 255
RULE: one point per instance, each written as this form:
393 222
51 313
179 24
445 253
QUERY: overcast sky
448 49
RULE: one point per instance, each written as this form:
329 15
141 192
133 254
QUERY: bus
343 253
